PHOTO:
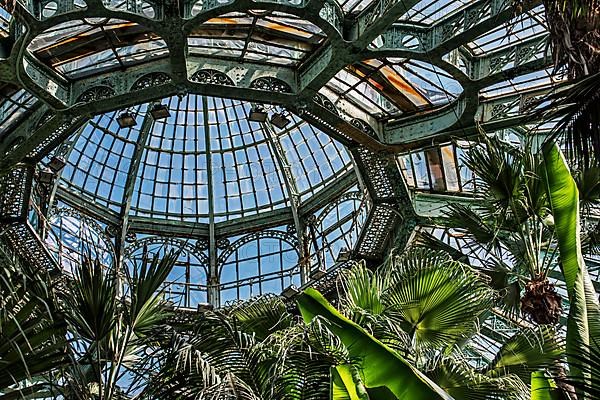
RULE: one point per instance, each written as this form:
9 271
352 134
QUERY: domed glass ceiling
414 77
206 159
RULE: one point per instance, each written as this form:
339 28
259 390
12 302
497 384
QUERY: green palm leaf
527 351
261 315
588 362
91 305
146 309
543 388
380 367
437 298
461 381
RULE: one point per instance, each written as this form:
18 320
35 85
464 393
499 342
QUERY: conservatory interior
299 199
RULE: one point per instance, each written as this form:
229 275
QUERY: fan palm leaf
381 369
437 298
261 315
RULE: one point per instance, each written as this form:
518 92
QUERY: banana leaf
584 315
382 370
543 388
343 386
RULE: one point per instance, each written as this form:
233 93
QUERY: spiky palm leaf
576 111
461 381
111 327
32 331
588 362
253 348
527 351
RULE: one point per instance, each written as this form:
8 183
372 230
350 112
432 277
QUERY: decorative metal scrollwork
325 103
201 244
271 84
130 237
310 219
88 222
348 196
291 229
363 126
111 231
152 79
183 245
15 190
212 76
96 93
223 243
231 248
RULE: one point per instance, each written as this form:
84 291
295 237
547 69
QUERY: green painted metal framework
488 82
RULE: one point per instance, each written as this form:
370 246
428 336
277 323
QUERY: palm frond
91 305
527 351
260 316
438 299
460 381
588 362
576 111
146 306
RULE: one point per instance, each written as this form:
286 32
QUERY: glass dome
205 163
368 109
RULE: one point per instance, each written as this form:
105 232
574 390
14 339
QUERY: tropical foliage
76 341
512 226
583 325
414 314
32 330
574 27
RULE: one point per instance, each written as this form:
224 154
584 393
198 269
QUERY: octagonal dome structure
206 162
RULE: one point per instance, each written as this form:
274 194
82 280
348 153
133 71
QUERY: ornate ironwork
223 243
283 236
130 237
202 244
348 196
47 116
325 103
89 223
152 79
164 241
15 190
212 76
271 84
96 93
363 126
111 230
50 141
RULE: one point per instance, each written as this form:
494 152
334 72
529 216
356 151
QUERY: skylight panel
5 17
531 24
14 105
431 11
262 37
80 48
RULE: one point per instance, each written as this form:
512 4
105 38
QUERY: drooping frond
461 381
527 351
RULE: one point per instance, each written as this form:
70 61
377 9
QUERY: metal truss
65 105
